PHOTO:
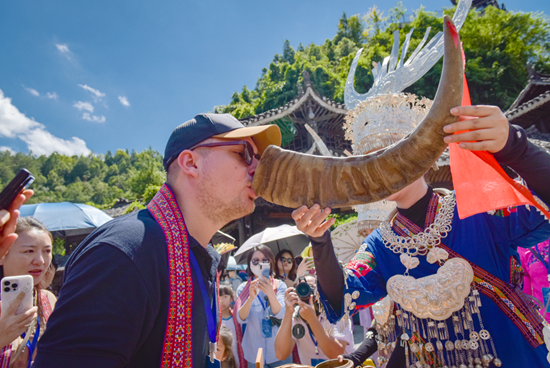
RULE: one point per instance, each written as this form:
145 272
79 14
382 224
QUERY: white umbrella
346 241
233 266
276 238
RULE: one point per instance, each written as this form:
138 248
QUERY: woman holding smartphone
30 254
260 305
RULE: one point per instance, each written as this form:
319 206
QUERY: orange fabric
480 183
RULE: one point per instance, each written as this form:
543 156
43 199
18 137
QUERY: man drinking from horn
454 281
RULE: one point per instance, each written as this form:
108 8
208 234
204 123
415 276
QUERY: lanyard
313 339
32 345
211 315
264 306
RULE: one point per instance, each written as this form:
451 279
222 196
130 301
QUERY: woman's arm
313 223
284 343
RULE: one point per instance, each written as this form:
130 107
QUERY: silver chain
421 243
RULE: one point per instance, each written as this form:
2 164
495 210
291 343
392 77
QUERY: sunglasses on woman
256 261
287 260
248 154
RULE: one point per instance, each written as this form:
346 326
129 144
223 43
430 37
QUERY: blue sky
92 76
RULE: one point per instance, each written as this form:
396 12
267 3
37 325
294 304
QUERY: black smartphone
21 181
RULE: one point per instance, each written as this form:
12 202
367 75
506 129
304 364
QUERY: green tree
288 52
497 44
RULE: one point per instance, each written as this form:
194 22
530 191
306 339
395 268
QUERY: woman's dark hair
226 289
292 273
27 224
266 252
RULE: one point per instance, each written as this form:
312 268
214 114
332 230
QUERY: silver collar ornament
427 306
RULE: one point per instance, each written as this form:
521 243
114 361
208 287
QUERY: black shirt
113 306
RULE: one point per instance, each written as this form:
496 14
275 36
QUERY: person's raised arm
313 223
8 221
283 341
490 131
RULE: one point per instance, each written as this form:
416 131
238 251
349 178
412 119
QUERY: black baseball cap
204 126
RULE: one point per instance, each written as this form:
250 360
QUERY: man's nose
253 166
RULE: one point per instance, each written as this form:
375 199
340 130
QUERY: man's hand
8 221
307 312
291 299
312 221
487 132
12 325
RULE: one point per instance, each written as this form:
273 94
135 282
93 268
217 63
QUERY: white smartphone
12 286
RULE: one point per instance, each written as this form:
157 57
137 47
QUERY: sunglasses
248 154
287 260
256 261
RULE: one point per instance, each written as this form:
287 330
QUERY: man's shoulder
135 235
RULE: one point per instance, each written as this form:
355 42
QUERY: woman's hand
265 286
305 266
8 220
291 299
253 291
12 325
488 131
312 221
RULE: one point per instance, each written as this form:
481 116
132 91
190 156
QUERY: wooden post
260 359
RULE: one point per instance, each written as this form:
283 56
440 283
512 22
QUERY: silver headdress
384 115
394 76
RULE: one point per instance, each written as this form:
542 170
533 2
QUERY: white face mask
257 270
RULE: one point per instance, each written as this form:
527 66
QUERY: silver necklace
422 242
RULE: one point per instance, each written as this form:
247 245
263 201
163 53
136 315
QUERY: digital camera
304 290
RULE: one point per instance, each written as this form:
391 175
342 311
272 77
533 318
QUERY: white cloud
32 91
64 50
4 149
124 101
52 95
94 118
97 95
84 106
14 124
42 142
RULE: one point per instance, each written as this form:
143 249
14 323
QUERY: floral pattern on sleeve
362 263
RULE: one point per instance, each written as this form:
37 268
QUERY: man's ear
187 161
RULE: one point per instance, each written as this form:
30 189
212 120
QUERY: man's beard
216 207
